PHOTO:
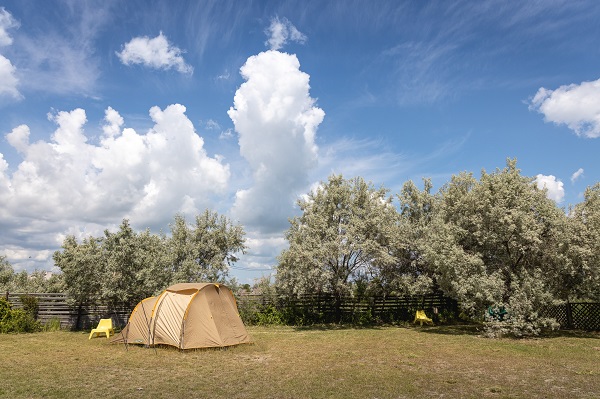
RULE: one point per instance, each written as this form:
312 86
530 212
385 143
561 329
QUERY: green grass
324 362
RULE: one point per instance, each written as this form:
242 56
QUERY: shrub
16 320
268 316
30 305
52 325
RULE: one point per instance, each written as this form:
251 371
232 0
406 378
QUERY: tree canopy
123 267
497 244
342 236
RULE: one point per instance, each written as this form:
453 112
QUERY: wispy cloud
281 31
578 174
7 22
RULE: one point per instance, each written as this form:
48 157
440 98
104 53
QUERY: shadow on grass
477 329
454 329
571 334
451 329
336 327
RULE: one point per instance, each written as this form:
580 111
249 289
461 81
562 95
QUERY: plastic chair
421 317
104 327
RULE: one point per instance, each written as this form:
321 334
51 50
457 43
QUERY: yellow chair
104 327
421 317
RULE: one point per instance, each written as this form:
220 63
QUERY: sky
146 109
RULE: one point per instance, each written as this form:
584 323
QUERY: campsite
311 362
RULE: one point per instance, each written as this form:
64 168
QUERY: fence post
569 315
6 296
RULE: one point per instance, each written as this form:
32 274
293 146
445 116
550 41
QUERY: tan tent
187 316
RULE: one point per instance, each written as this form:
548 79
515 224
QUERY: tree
135 266
498 242
205 251
6 273
82 268
582 278
343 235
409 273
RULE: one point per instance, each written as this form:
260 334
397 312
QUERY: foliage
125 266
269 316
135 266
6 274
343 235
581 280
409 273
16 320
498 242
52 325
205 251
30 304
36 281
82 267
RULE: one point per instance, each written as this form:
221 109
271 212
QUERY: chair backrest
105 323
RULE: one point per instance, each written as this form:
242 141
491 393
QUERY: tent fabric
187 316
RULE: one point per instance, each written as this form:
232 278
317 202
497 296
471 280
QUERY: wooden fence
321 308
325 308
57 306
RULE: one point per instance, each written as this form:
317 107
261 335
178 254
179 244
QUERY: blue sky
143 109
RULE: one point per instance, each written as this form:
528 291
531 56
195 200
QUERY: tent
187 316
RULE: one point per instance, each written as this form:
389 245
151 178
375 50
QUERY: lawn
286 362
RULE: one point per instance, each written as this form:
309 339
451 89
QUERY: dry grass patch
306 363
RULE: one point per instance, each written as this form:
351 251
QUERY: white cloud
280 31
576 175
226 134
58 55
575 105
224 76
554 187
114 122
6 22
155 53
212 125
276 120
78 185
8 79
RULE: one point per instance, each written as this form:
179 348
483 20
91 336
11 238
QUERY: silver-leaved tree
344 233
126 266
498 244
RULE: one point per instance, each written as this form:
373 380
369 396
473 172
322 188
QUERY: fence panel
325 308
577 315
57 306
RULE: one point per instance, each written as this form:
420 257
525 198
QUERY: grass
285 362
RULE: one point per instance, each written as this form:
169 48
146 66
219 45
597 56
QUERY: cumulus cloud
276 120
72 182
554 187
8 79
280 32
577 106
155 53
576 175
